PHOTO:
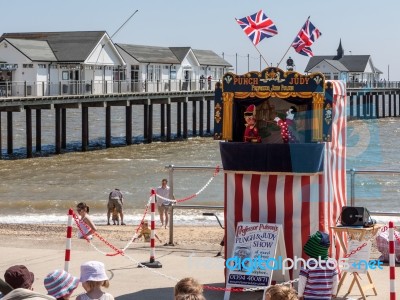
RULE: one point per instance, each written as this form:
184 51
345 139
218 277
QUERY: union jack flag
305 38
257 27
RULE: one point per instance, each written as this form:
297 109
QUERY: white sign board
358 262
257 250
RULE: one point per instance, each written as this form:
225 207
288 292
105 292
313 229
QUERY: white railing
95 87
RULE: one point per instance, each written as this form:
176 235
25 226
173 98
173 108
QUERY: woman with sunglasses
87 227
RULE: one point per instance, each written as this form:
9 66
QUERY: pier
364 102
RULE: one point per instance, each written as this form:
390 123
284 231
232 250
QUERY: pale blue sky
365 27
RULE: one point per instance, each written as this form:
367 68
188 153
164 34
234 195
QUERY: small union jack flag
257 27
305 38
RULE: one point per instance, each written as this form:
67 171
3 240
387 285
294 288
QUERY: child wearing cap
93 278
320 280
60 284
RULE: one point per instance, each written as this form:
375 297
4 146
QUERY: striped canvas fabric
302 203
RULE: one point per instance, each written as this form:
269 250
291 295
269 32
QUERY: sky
367 27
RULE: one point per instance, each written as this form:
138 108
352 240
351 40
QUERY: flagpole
261 55
288 48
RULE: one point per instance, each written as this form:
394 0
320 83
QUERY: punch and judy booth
283 153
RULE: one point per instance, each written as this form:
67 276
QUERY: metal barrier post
171 210
352 188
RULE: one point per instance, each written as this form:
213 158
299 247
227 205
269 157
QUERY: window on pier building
157 73
135 73
150 73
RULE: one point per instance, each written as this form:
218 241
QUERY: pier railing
352 174
98 87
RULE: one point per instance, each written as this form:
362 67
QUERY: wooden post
178 119
390 104
377 105
28 113
85 134
185 120
169 121
201 118
128 121
64 128
383 105
208 130
162 118
358 103
145 121
58 130
38 130
108 126
150 125
194 121
9 132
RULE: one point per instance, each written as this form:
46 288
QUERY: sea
40 190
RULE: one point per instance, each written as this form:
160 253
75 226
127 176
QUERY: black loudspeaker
355 216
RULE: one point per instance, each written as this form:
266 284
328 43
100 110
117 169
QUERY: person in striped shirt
320 279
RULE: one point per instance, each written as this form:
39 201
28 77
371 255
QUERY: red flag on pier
257 27
307 35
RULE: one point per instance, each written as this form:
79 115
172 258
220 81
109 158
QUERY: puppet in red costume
251 132
288 127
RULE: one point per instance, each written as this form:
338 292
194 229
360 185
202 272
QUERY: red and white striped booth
302 201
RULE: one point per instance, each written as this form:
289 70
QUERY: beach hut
293 175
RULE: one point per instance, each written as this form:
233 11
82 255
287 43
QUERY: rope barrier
217 169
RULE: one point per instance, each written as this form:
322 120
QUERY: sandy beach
42 248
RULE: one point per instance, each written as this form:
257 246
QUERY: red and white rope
217 169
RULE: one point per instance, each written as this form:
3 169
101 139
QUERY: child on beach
280 292
93 278
145 232
188 289
318 281
87 227
60 284
115 216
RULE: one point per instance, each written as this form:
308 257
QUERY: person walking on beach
93 278
86 225
60 284
115 201
162 204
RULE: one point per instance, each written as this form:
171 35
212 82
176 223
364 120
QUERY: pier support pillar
64 128
201 118
28 113
185 120
194 119
38 130
179 119
85 127
169 122
377 106
108 126
390 104
128 121
9 132
208 130
145 121
150 125
358 104
162 118
58 130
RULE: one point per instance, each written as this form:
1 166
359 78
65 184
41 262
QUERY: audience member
93 278
87 227
188 289
317 280
21 280
280 292
60 284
